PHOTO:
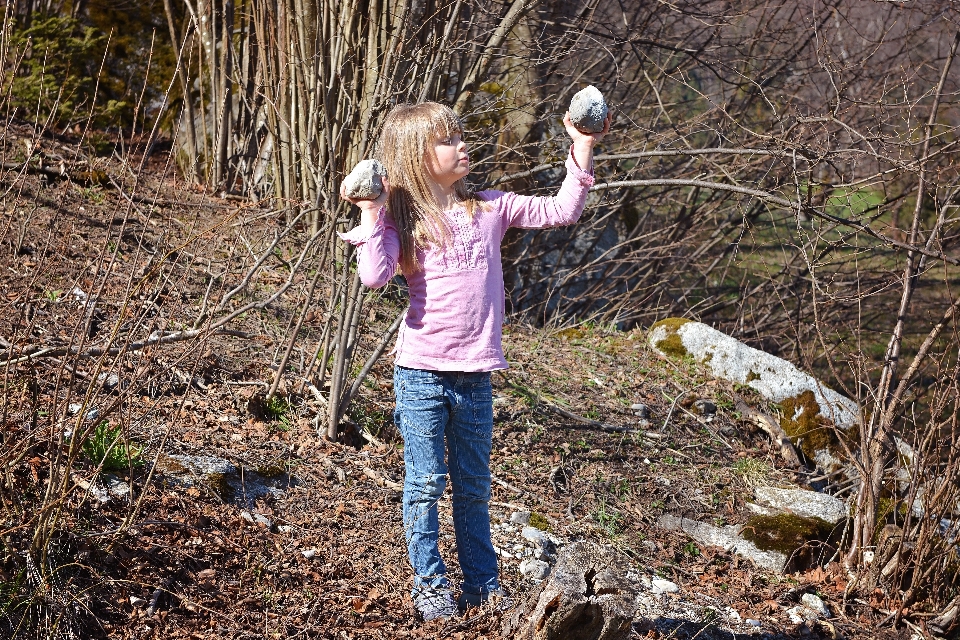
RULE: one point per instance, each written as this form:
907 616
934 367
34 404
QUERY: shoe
435 604
497 598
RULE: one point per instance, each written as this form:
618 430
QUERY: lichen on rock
665 338
812 412
795 536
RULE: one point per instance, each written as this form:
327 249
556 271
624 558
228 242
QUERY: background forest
786 172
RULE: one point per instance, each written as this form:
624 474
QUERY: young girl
446 241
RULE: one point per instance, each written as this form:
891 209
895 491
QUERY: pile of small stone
533 550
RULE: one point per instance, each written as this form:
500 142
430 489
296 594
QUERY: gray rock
815 604
659 585
138 602
256 518
540 539
727 538
705 407
116 487
752 622
804 503
109 381
642 411
232 484
365 182
588 110
533 569
73 408
799 614
520 517
774 378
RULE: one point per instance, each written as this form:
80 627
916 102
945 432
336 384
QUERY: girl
446 241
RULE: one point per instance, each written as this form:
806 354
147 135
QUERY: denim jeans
447 412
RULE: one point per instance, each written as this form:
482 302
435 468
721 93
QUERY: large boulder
814 416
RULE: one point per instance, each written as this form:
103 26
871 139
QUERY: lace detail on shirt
465 250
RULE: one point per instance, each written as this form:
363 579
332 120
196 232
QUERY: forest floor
324 556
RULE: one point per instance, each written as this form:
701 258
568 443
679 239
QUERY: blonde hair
409 131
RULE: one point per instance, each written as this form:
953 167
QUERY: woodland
174 290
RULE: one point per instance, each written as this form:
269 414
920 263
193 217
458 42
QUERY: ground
327 557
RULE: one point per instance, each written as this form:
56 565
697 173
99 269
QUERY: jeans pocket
420 404
482 401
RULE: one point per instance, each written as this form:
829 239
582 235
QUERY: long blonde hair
409 131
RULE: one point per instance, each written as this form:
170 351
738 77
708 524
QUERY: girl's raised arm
535 212
377 240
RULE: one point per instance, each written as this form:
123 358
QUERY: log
590 595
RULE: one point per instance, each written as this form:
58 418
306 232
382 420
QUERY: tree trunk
590 595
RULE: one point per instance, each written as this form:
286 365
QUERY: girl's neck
446 197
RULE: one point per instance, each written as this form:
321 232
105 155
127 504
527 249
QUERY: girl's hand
588 138
369 209
583 142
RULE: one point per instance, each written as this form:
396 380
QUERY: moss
790 534
752 375
803 423
671 344
540 522
272 469
218 483
570 334
169 465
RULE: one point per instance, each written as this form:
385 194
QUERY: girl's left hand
587 138
583 142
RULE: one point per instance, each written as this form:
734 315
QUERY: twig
593 423
507 485
155 598
772 429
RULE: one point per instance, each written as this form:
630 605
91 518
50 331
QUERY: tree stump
590 595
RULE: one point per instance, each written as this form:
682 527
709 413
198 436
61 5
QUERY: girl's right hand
369 209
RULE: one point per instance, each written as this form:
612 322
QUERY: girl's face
448 161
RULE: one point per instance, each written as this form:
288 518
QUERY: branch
773 199
95 352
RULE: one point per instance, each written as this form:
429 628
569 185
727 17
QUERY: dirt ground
326 558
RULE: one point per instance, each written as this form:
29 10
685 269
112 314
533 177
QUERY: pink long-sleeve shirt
456 312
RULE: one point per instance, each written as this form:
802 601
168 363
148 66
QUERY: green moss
218 483
570 334
537 520
752 375
272 470
671 344
802 421
787 533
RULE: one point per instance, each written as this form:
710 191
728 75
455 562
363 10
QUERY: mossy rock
803 421
670 344
220 484
800 539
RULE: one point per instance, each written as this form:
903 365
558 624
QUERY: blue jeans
447 412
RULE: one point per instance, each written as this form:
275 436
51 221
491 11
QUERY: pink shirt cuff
359 235
585 178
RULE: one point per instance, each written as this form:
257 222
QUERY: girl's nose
462 146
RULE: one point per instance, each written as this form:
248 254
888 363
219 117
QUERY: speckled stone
365 182
588 110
